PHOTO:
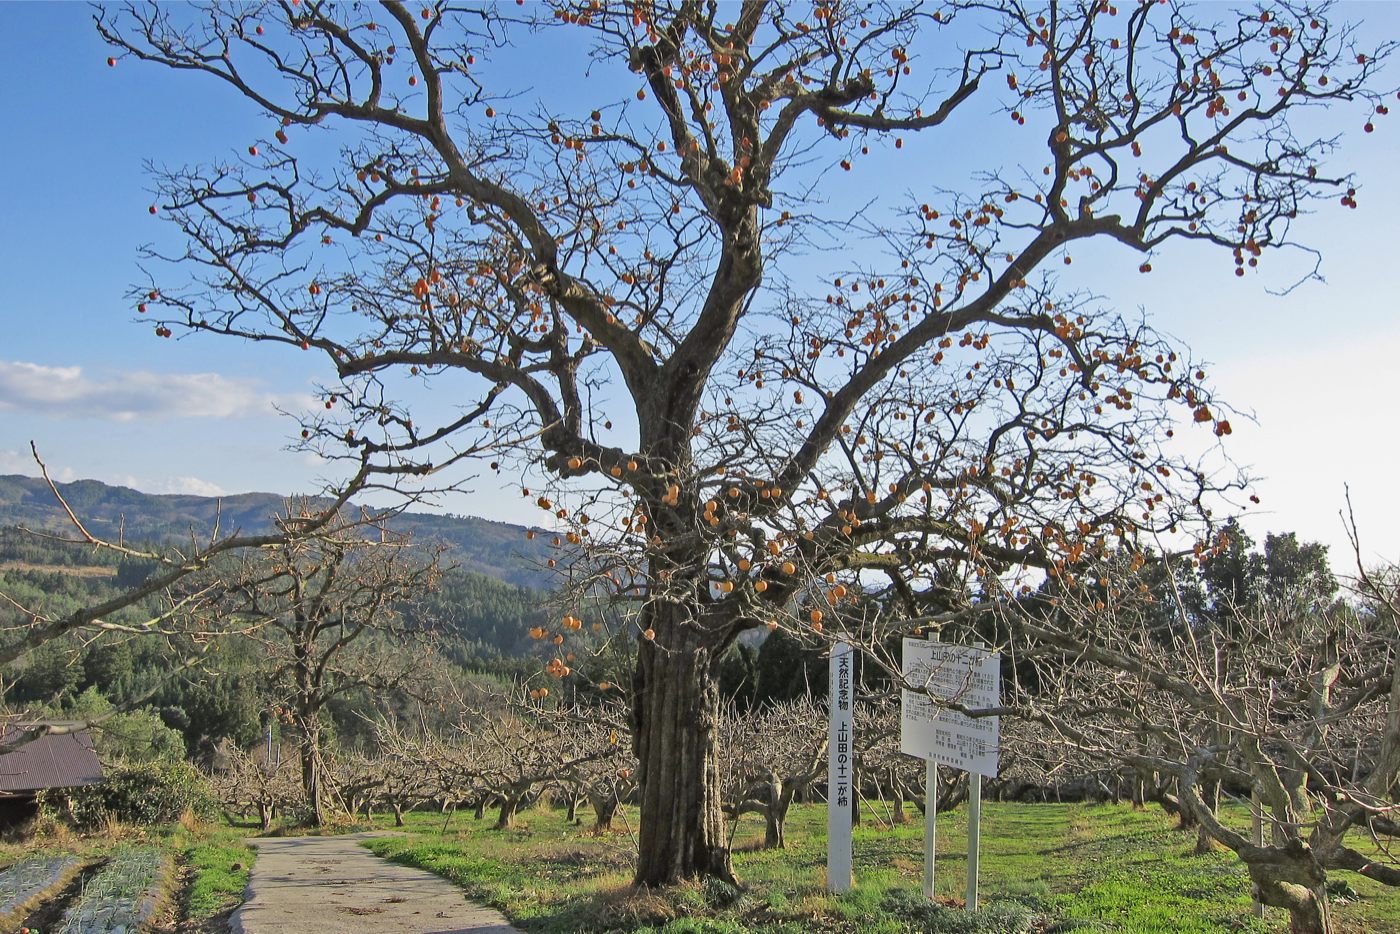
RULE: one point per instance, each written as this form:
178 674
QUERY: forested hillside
495 549
189 693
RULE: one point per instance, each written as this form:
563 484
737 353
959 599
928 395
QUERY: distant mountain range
496 549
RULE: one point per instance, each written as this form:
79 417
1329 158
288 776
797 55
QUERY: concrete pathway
332 885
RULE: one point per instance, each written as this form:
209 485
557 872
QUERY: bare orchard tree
612 294
894 779
1035 764
879 764
354 780
770 755
255 780
519 744
608 785
331 605
606 779
1298 714
409 768
452 770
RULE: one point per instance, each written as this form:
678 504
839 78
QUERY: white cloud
72 392
192 485
22 462
186 485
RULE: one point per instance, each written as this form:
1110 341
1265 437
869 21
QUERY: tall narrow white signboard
839 769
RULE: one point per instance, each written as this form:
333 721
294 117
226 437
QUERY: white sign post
930 824
1256 812
971 677
974 836
838 772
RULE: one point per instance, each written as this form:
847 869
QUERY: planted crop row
122 897
31 881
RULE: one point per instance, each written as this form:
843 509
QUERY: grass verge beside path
1045 867
218 866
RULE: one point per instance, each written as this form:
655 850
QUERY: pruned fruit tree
635 258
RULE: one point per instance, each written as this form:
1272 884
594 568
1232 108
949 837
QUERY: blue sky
104 398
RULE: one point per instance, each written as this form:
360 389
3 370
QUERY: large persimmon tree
637 273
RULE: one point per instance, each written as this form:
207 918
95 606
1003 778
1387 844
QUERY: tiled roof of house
54 760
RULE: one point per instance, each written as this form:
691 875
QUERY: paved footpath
332 885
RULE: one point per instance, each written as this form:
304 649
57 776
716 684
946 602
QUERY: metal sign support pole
1256 811
974 828
930 824
930 813
974 835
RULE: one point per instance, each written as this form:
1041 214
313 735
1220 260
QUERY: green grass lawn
218 862
1044 867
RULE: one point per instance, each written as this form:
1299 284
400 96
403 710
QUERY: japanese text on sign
838 771
963 675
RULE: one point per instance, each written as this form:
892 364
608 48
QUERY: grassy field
1045 867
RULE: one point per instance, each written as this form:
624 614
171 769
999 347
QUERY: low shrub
998 917
149 793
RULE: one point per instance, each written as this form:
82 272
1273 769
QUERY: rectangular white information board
961 674
839 771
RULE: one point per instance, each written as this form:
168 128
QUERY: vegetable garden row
119 893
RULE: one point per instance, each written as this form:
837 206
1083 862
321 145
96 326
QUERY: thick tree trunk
898 816
676 711
1204 842
1174 805
505 818
572 815
1289 877
604 808
1210 797
953 791
773 838
398 813
311 779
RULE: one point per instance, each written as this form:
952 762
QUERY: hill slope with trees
481 546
